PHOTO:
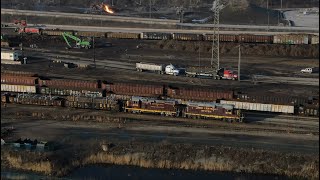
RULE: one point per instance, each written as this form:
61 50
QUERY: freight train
240 38
133 105
124 91
171 107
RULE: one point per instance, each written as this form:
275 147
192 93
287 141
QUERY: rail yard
128 82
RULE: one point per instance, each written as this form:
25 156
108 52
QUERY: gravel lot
300 19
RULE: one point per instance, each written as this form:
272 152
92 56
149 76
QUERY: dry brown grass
137 159
41 166
166 155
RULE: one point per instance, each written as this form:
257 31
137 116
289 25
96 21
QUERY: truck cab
226 74
307 70
170 69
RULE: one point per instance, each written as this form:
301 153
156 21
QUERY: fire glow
107 9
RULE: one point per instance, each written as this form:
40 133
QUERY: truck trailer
160 69
222 73
9 55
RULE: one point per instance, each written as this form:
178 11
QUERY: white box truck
10 55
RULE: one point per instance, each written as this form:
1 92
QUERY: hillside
235 11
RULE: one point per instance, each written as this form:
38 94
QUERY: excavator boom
79 42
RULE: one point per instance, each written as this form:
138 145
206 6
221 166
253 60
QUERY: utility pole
94 53
239 62
150 9
112 3
268 13
279 12
100 18
182 13
215 58
21 48
199 58
278 17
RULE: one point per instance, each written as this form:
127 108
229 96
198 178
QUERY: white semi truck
161 69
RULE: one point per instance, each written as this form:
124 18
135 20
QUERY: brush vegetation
164 155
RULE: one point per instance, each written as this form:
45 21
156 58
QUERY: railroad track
141 122
282 120
88 61
286 80
140 30
283 117
254 119
133 122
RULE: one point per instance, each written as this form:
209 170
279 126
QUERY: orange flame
107 9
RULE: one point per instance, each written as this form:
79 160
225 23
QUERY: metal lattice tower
215 37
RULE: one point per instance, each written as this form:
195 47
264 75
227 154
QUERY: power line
215 58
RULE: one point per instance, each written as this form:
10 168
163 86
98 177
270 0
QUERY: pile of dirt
163 155
280 50
239 4
83 22
248 14
36 39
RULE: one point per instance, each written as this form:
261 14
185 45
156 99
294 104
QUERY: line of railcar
12 82
303 110
100 89
239 38
224 110
134 104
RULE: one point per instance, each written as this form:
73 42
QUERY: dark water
104 172
137 173
16 175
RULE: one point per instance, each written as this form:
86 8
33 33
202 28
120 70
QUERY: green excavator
80 43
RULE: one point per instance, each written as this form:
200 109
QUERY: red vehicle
29 30
20 22
226 74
